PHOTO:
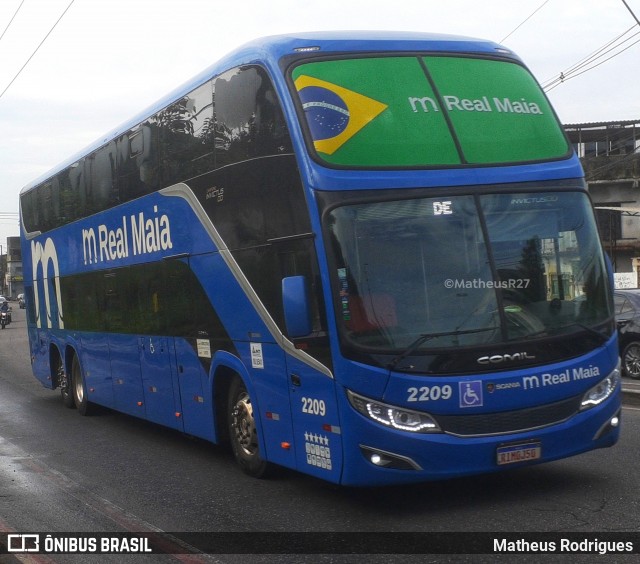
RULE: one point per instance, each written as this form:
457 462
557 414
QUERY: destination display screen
431 111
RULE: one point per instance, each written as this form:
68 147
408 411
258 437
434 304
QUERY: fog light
608 427
384 459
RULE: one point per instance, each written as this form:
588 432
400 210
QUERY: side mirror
297 308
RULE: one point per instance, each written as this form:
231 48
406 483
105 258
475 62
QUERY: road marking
170 545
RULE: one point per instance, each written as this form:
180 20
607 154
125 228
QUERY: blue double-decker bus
371 258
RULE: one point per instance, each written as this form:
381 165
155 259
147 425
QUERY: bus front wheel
242 431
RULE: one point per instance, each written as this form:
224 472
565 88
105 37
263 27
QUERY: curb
630 394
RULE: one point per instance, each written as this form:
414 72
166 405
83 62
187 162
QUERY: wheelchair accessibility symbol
470 393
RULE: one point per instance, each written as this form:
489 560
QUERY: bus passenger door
267 365
157 364
196 411
312 391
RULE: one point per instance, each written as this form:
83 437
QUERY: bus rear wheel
65 386
242 431
78 388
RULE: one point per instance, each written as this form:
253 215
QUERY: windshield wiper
591 330
424 337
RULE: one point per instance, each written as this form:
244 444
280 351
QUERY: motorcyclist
4 308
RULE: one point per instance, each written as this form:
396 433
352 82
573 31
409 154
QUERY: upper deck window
425 111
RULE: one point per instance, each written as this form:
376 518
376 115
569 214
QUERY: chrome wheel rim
244 426
78 388
632 361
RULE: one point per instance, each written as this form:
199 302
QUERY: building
610 155
13 282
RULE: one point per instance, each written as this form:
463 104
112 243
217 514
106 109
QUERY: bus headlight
392 416
601 391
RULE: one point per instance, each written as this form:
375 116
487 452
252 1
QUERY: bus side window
186 136
102 189
248 120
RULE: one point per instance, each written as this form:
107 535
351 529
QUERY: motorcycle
5 319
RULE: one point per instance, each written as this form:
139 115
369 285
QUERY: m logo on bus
41 257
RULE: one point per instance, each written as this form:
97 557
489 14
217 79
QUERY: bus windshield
466 270
425 111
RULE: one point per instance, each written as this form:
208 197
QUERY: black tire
79 390
242 431
631 360
65 385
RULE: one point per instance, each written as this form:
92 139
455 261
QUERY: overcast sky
108 59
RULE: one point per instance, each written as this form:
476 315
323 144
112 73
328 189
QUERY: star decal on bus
334 114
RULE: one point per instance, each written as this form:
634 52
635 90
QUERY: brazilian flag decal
357 113
334 114
425 111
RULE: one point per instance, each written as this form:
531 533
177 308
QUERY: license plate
512 454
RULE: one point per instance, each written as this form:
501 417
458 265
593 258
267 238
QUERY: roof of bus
277 46
280 45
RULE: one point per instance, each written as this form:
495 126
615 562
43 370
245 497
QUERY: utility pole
631 12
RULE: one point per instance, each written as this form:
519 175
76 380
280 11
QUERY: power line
564 78
588 59
589 62
11 20
525 21
37 48
599 52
